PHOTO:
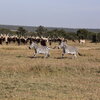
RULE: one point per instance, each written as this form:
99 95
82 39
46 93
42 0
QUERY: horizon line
47 26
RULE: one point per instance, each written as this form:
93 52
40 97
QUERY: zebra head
33 45
62 45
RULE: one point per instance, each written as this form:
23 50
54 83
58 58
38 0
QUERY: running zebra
40 49
69 49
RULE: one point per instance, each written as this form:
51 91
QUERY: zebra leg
62 55
75 56
34 55
47 55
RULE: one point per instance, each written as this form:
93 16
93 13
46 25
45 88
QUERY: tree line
41 31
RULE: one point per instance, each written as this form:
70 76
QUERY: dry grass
25 78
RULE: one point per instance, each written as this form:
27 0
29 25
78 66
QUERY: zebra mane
65 45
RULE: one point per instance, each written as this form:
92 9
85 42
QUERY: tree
41 31
57 33
50 34
82 33
5 31
94 38
21 31
98 37
61 33
90 35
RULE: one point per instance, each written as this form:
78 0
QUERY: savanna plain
23 77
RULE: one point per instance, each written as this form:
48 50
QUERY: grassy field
25 78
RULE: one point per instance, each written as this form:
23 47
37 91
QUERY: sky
51 13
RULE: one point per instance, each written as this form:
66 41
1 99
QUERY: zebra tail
49 48
79 54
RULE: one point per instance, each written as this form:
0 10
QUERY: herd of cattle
24 40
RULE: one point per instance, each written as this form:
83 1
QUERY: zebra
69 49
40 49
